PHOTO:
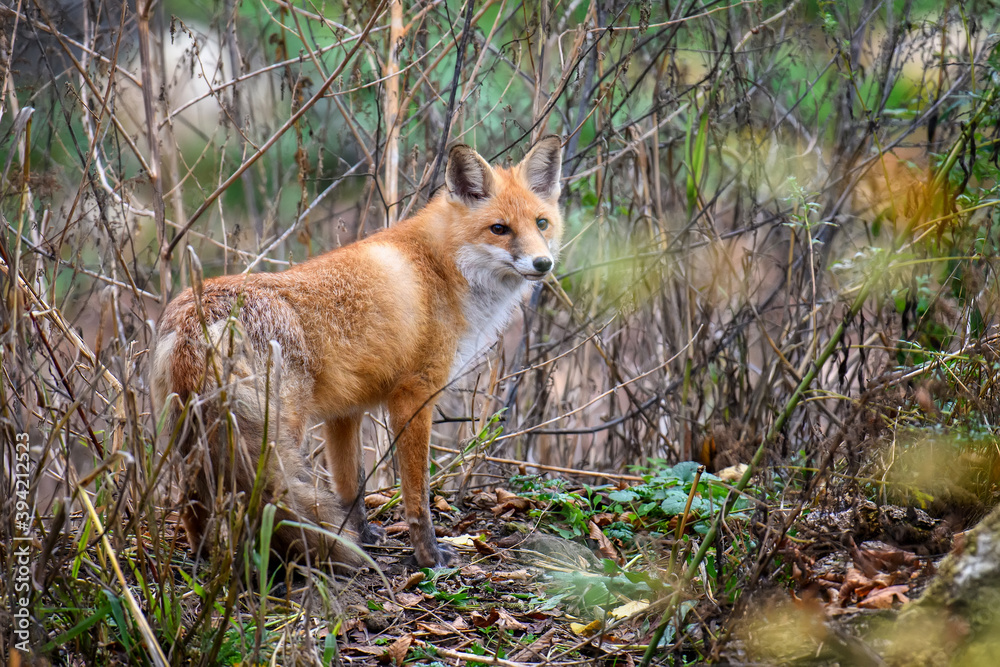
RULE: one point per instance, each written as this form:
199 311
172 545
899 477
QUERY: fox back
244 365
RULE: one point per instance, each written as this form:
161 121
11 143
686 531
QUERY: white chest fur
494 294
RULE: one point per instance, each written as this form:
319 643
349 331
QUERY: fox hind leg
194 518
346 461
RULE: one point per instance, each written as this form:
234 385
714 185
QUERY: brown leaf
884 598
412 581
890 558
924 400
481 621
503 495
511 540
397 528
603 519
507 501
483 548
473 572
516 504
484 499
603 543
463 524
438 629
537 647
441 505
397 650
508 622
409 599
855 581
376 500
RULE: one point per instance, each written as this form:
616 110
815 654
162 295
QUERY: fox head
510 227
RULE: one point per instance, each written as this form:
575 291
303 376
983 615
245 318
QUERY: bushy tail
222 446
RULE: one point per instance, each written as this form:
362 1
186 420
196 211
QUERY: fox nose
542 264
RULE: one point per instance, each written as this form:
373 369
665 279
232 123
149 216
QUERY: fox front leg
410 409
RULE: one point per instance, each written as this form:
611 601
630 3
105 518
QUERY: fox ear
542 166
468 176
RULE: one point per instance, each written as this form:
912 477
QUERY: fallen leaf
629 608
484 548
459 540
603 543
508 622
503 495
855 582
396 652
397 528
473 572
889 558
884 598
409 599
537 647
603 519
376 500
514 575
412 581
923 398
438 629
481 621
511 540
508 502
732 473
484 499
588 630
465 522
441 504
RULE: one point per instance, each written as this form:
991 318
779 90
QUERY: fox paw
444 554
371 533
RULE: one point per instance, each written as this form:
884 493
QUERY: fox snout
542 264
534 267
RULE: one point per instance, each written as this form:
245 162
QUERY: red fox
384 321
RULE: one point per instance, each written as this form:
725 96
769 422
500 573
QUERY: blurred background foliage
736 174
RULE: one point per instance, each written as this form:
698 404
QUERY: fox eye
542 223
499 229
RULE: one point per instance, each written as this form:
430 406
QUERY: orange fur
387 320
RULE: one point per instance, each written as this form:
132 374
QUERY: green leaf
266 531
89 621
623 496
675 502
119 615
646 508
330 644
685 471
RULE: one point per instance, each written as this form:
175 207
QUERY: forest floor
537 583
